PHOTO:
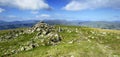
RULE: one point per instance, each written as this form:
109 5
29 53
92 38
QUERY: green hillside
71 41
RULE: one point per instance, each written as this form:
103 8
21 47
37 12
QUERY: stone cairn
46 32
45 35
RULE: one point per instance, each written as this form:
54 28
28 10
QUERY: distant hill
95 24
102 24
16 24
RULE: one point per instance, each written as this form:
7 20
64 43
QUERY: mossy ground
76 42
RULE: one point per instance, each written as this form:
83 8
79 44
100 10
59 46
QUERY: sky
87 10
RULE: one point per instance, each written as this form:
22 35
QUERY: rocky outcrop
11 35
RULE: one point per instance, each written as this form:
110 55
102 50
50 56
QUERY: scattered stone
69 31
59 29
56 38
118 37
89 40
76 30
14 51
104 33
28 48
16 35
70 42
22 49
72 56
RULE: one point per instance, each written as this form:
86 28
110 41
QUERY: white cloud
35 12
76 5
25 4
1 10
43 16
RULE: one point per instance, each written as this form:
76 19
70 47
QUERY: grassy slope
12 44
77 42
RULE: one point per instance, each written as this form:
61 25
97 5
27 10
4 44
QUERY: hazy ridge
29 23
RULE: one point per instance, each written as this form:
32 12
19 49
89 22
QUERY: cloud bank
43 16
25 4
76 5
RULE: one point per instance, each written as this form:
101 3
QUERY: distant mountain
54 22
95 24
16 24
102 24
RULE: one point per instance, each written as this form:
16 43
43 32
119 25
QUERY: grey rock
22 49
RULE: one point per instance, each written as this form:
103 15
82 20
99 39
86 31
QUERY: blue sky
88 10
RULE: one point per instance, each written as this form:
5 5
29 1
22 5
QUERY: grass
77 42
